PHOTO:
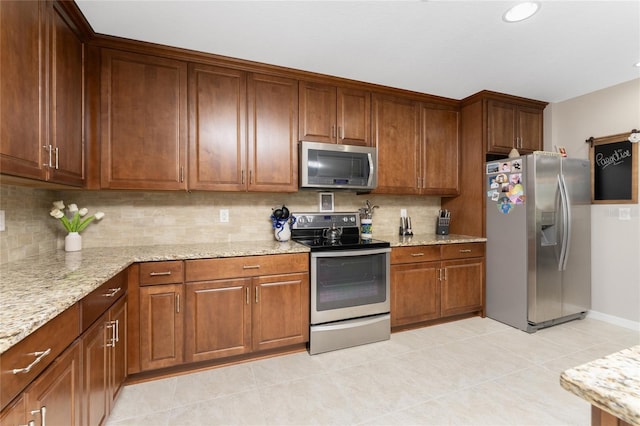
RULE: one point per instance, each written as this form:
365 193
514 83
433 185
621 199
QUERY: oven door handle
349 323
346 253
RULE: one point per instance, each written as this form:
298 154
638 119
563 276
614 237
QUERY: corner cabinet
418 146
143 121
41 107
433 282
243 130
333 114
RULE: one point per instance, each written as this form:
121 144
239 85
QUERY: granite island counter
611 385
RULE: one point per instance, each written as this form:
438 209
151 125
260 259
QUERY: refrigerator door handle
566 223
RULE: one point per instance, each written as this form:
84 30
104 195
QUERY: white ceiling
447 48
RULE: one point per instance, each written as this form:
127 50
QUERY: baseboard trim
622 322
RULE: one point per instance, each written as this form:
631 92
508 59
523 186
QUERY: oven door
349 284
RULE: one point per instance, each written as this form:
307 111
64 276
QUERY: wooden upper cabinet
66 82
272 155
440 154
22 121
396 127
333 114
511 125
41 56
217 123
143 121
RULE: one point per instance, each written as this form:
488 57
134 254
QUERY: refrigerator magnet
493 184
505 205
516 165
493 168
495 195
515 178
505 167
502 178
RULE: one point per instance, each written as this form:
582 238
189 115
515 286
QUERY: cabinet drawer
460 251
100 299
248 266
152 273
414 254
54 337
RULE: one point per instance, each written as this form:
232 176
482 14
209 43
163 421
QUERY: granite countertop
611 383
35 290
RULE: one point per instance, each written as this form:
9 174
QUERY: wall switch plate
1 220
224 215
624 213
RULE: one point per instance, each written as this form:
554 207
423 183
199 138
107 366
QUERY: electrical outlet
403 212
1 220
224 215
624 213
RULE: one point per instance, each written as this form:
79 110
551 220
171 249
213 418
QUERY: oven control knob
352 219
345 219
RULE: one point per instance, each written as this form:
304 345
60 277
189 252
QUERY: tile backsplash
148 218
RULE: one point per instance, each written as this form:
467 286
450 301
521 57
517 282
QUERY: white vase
283 233
73 242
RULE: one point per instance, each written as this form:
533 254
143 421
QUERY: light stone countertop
35 290
611 383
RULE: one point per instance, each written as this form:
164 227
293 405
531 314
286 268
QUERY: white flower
57 213
98 215
58 205
83 211
73 208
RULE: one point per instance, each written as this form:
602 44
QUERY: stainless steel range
350 287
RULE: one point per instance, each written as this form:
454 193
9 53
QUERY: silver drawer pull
417 254
250 266
39 355
159 274
465 251
112 292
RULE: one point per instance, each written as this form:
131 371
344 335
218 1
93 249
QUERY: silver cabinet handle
181 174
250 177
43 416
250 266
111 342
242 177
256 294
112 292
445 273
465 250
49 148
177 303
117 331
57 156
417 254
247 294
39 356
159 274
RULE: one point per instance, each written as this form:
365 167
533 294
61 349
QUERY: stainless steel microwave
332 166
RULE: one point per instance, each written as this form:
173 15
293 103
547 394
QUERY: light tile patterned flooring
470 372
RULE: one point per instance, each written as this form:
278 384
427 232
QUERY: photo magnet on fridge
493 168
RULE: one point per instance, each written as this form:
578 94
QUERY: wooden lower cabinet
161 326
461 286
431 282
236 316
415 293
104 363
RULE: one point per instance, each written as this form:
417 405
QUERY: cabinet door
396 134
118 348
66 100
95 405
354 117
273 130
22 109
161 326
462 286
14 413
217 120
54 398
440 156
280 310
218 319
144 121
529 129
415 293
317 120
501 126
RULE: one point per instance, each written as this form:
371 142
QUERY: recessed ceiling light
521 11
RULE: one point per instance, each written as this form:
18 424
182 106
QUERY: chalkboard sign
614 170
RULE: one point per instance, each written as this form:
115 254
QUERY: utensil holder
442 225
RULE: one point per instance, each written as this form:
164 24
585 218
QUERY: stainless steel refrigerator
538 224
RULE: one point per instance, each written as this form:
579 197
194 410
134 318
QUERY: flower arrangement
75 220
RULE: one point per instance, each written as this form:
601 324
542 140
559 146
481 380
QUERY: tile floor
471 372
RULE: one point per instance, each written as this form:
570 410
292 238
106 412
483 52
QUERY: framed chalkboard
614 170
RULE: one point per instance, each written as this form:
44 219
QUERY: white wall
615 244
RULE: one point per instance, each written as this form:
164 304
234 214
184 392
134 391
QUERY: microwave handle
369 181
